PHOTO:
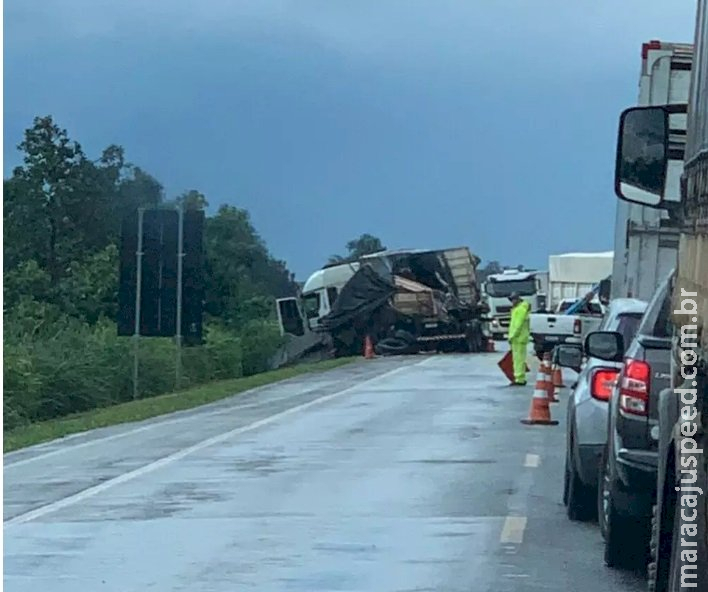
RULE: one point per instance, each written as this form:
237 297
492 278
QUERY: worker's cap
514 296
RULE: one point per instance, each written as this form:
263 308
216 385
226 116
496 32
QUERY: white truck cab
322 288
318 296
500 286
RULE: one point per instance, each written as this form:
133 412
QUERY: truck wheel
660 542
653 545
700 546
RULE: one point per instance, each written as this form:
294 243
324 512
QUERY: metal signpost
178 328
161 283
138 292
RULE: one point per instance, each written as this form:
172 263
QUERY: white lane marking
516 575
532 460
513 530
180 454
185 415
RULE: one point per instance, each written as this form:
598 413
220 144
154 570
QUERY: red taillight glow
577 326
603 380
634 388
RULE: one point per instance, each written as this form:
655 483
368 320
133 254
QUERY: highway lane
393 474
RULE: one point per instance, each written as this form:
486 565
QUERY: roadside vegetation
43 431
62 216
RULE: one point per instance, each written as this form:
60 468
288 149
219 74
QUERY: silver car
586 428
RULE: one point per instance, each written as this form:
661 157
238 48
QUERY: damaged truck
405 301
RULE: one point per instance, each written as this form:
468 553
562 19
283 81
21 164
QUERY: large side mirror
648 166
605 345
569 356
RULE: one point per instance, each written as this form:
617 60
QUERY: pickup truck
550 330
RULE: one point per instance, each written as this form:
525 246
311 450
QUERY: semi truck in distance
406 300
532 286
662 163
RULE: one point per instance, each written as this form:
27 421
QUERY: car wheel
615 530
581 505
566 481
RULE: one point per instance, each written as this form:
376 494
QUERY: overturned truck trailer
408 301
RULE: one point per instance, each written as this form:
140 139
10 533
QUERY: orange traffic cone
368 348
550 388
490 346
557 377
540 412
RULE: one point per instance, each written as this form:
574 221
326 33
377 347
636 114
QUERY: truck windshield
311 304
521 287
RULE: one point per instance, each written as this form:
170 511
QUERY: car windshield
507 288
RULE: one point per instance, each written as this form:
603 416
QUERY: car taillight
577 326
634 388
603 380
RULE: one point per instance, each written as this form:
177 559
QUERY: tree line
62 217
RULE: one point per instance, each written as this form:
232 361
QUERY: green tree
358 247
364 245
44 200
193 200
243 277
492 268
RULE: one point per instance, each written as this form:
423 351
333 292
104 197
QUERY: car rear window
627 325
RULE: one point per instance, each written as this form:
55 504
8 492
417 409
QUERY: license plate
431 325
552 338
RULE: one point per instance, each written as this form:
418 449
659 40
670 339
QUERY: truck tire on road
677 565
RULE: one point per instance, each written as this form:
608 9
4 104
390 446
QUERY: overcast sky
429 123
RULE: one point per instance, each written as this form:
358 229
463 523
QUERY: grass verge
153 406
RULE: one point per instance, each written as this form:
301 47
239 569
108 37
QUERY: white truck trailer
573 275
646 239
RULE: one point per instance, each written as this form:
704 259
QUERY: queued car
586 428
628 470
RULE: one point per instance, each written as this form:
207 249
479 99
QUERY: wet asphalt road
407 474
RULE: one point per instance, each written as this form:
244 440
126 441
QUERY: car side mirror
569 356
605 345
649 163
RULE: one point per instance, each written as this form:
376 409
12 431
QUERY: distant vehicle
586 428
573 275
430 296
627 479
551 330
497 289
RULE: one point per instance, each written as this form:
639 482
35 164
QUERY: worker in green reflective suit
519 335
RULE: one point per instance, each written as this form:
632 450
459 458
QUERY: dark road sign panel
158 302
